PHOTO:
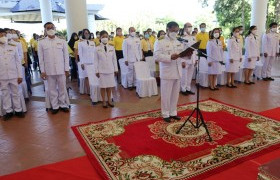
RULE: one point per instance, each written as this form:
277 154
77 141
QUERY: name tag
10 50
59 44
92 45
111 51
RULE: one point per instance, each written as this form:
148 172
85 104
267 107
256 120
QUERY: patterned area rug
142 146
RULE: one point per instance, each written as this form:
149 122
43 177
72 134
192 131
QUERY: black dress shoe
247 83
265 79
65 109
216 88
130 88
252 82
184 93
190 92
167 119
19 114
111 105
175 117
233 86
212 89
54 111
270 79
8 116
229 86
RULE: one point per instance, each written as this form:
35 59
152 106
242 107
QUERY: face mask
14 36
236 34
76 38
51 32
189 29
254 32
4 40
9 36
241 32
173 35
162 35
150 33
216 35
104 40
87 36
202 29
133 34
98 35
147 36
273 29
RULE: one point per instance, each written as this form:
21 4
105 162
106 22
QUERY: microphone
182 40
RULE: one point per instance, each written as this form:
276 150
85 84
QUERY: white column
91 23
76 16
46 11
258 15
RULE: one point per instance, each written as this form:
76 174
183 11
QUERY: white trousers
187 74
267 66
170 89
57 90
10 95
131 77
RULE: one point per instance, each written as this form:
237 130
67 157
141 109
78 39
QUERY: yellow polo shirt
152 39
241 39
31 42
204 38
96 41
144 45
35 45
118 41
222 39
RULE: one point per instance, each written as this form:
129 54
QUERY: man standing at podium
167 54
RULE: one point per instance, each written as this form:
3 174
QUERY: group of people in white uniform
176 71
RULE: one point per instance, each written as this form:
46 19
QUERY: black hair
233 29
172 24
159 32
272 24
6 29
239 26
118 28
47 23
103 32
72 40
84 30
80 33
202 25
2 30
181 32
250 29
211 33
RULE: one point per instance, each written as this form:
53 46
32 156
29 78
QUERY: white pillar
258 15
76 16
46 11
91 23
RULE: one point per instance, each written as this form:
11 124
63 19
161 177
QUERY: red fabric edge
206 174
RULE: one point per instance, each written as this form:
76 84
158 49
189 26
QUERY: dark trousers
148 53
74 68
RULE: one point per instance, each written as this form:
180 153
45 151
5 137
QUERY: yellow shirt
35 45
222 39
71 52
204 38
24 41
241 40
144 45
152 39
118 41
31 42
97 41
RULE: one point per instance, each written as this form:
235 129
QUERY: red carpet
272 113
81 168
142 146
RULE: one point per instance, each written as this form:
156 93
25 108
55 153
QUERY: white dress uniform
270 45
170 74
19 48
215 55
105 63
187 72
86 53
252 50
132 52
235 53
54 61
10 71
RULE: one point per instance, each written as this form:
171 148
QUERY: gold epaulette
160 38
10 44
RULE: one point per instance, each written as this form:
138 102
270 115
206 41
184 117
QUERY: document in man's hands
189 50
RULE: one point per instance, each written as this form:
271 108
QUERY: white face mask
173 35
150 33
104 40
274 30
51 32
98 35
216 35
240 32
255 32
202 29
189 29
14 36
4 40
236 35
9 36
133 34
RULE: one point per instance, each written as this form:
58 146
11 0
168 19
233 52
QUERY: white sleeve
41 57
66 56
159 53
124 48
